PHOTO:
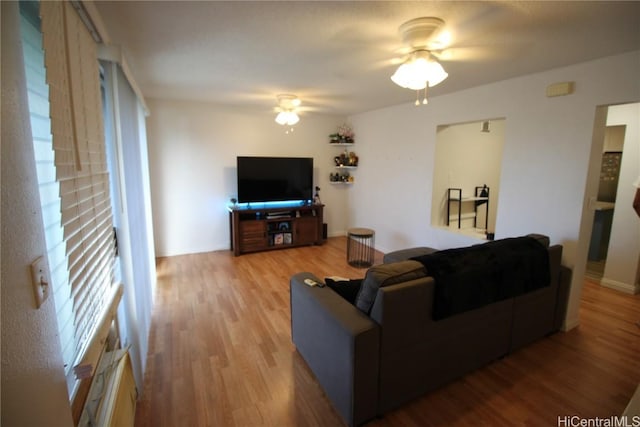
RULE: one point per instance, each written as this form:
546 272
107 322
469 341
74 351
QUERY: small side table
360 247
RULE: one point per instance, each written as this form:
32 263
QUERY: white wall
192 154
544 168
621 269
34 391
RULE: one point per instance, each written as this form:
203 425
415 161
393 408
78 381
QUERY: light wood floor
220 354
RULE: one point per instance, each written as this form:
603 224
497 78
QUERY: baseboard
620 286
570 324
337 234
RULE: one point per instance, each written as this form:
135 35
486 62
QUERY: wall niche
468 156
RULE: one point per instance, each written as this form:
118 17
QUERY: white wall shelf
342 164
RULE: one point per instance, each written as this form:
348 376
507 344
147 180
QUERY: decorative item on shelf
344 135
278 239
346 159
341 178
316 198
484 192
283 226
234 202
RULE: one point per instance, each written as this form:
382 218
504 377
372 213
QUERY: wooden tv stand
263 229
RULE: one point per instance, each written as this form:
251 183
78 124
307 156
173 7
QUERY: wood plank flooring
220 354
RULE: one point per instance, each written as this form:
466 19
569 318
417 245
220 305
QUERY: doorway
610 235
605 201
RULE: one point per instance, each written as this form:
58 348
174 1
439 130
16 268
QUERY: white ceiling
337 56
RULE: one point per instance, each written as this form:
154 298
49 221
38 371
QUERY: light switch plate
41 280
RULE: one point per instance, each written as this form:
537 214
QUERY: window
68 135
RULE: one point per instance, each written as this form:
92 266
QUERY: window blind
49 188
81 167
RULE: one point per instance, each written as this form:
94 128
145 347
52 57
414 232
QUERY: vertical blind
126 138
72 75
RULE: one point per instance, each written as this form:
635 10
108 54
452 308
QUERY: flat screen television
274 179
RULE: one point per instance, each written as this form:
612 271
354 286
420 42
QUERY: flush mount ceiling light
420 69
287 106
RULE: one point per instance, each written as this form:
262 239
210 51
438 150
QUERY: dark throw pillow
347 289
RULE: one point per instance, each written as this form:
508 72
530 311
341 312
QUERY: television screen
274 179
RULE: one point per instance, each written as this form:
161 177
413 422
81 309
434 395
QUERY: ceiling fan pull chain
424 100
417 98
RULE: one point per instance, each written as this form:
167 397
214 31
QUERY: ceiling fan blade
467 53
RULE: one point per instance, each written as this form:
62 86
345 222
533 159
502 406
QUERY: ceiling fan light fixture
289 118
287 105
419 71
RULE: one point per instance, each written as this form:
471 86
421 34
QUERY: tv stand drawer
252 228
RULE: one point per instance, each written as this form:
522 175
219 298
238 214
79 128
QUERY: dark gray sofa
370 362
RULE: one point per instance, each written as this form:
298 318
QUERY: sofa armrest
564 285
406 254
341 346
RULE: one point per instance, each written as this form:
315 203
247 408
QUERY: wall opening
466 182
616 130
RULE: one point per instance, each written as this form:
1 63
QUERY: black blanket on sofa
471 277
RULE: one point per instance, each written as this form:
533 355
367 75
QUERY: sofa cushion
382 275
471 277
347 289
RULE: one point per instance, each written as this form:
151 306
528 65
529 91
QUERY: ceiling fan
287 109
420 68
425 33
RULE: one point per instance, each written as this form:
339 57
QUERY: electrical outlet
41 280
